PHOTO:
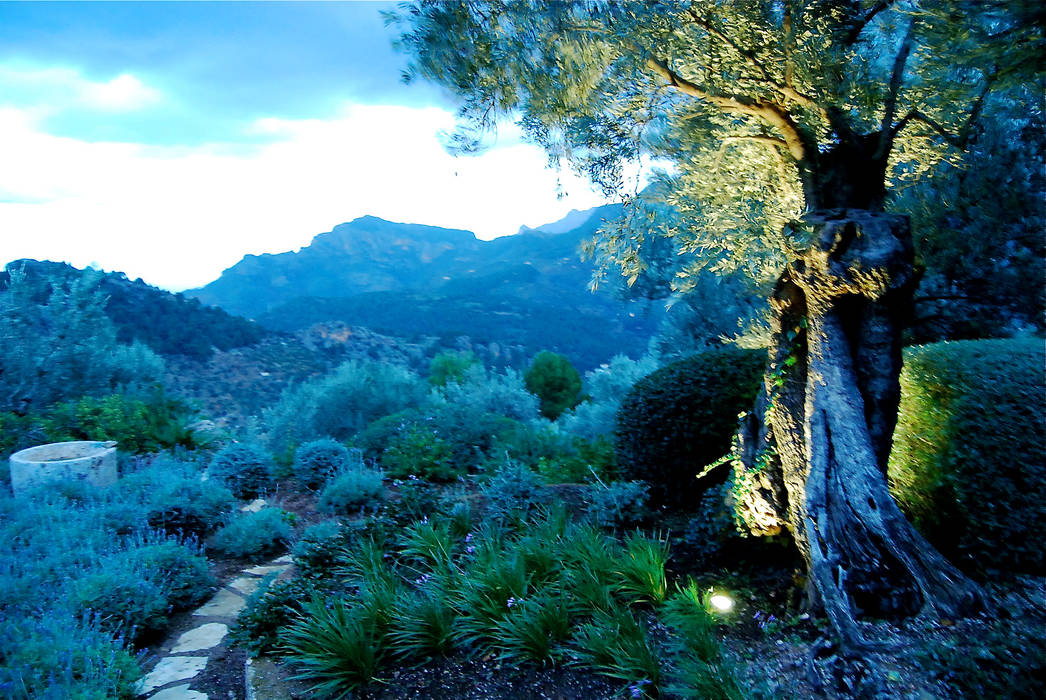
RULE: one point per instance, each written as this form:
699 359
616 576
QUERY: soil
774 651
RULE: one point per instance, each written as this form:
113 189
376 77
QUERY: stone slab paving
179 692
205 636
178 665
171 669
245 584
266 570
223 604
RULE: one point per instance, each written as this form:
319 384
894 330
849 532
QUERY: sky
168 140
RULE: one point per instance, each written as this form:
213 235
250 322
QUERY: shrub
126 601
419 450
604 386
450 366
555 382
317 461
712 530
968 464
682 417
180 570
618 504
318 548
249 534
138 426
186 506
341 404
513 492
57 656
268 610
244 467
353 489
482 392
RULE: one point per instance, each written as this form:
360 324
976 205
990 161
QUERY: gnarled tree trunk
814 452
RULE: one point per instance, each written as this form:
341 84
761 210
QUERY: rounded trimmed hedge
245 468
968 464
682 417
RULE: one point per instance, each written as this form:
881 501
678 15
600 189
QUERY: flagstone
171 669
223 604
179 692
203 637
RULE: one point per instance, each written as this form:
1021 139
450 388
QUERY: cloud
55 89
177 216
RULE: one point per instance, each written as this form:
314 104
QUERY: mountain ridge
372 272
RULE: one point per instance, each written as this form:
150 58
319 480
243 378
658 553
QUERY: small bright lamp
721 602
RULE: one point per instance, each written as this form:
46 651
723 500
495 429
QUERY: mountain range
410 280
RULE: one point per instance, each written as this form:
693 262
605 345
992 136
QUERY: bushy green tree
340 404
57 344
604 387
555 382
788 123
450 366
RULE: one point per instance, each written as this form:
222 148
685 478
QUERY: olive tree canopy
784 125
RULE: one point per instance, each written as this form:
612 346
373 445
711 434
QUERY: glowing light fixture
721 602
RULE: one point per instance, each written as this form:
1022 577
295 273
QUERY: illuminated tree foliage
786 123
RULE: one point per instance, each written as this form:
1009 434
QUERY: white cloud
123 93
54 89
178 216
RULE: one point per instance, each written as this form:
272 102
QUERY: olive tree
786 124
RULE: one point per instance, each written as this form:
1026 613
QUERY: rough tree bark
814 452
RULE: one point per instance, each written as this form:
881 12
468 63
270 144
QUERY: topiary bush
316 461
968 464
681 418
244 467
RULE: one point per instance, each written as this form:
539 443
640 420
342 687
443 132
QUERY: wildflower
511 602
470 549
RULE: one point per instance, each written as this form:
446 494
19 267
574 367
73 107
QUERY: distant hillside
170 324
530 289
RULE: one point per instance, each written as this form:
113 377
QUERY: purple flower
511 602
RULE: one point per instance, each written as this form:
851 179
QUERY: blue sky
166 140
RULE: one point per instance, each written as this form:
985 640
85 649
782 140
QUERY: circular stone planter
93 462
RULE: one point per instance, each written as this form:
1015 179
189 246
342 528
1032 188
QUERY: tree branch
886 134
855 32
770 112
960 139
784 89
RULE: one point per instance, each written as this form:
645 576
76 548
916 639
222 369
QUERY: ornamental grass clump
334 647
423 623
641 569
698 669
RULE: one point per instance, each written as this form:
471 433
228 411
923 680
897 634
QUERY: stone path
187 655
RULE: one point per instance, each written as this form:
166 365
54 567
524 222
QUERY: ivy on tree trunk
814 453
